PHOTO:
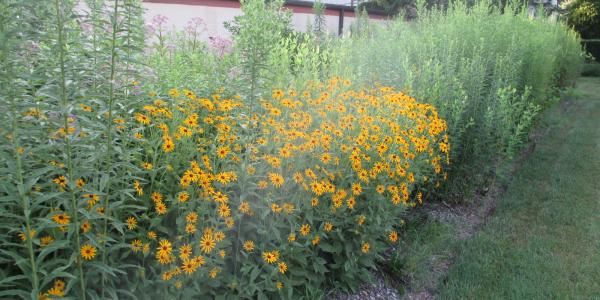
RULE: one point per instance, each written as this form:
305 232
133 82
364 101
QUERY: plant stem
68 150
24 199
111 98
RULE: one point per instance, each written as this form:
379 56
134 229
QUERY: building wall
215 12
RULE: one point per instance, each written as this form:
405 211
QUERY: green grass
424 249
544 239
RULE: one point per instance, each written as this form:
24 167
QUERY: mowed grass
544 239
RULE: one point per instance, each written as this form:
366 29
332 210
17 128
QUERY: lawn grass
544 239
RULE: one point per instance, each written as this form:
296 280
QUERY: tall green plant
458 59
256 32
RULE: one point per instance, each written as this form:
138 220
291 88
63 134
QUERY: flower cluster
302 178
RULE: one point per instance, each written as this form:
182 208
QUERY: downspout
341 22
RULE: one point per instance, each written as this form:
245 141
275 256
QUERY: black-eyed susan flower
131 223
223 151
365 247
224 210
146 165
316 239
160 208
207 243
136 245
86 226
46 240
271 256
188 266
291 237
305 230
248 245
393 236
183 197
277 180
61 181
282 266
185 251
164 247
80 183
61 219
88 251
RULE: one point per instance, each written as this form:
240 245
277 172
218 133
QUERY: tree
584 16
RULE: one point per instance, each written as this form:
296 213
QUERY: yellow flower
223 151
275 208
276 179
316 240
141 118
188 266
156 197
328 227
291 237
262 184
185 251
85 226
356 189
88 251
207 243
131 223
183 197
244 207
164 258
361 219
219 236
61 181
305 230
365 247
224 210
229 222
80 183
350 202
277 94
314 202
190 228
61 219
393 236
138 188
174 93
282 267
23 237
191 217
168 145
271 256
46 240
161 208
164 247
136 245
199 260
248 245
214 272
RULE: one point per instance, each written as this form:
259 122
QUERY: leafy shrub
461 59
313 183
